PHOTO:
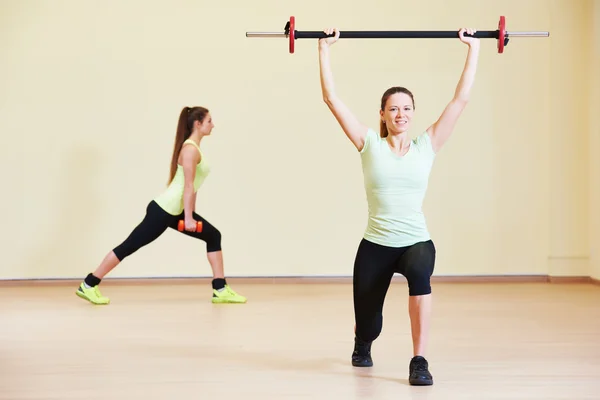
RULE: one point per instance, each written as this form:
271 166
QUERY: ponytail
187 117
383 132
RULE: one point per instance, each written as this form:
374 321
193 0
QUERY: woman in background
189 169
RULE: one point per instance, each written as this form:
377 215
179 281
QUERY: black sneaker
361 356
419 373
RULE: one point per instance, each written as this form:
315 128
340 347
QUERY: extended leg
373 272
152 226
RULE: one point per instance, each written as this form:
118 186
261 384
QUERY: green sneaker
227 295
92 294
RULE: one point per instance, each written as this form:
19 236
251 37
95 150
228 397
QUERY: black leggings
374 268
156 222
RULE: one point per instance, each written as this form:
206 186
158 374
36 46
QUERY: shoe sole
227 302
362 365
421 383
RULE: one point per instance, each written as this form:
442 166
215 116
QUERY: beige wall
91 92
594 119
569 138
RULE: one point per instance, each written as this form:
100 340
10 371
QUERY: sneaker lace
420 366
230 291
227 291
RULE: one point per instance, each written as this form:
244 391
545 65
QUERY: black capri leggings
374 268
156 222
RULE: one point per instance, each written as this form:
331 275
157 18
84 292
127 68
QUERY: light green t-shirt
395 187
171 200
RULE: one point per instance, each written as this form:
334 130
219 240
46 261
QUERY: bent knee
213 241
419 280
419 289
418 268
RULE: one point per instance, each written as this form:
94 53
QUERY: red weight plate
292 33
501 33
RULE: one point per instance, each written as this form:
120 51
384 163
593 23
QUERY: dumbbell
181 226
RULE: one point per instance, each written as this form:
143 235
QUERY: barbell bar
501 34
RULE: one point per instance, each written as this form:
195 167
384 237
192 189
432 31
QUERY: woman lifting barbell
174 208
396 171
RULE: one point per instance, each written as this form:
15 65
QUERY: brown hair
184 129
383 132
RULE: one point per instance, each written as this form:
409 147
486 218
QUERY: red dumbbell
181 226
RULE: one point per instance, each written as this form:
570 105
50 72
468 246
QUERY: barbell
500 34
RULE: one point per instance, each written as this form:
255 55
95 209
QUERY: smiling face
397 111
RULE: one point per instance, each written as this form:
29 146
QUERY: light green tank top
171 200
395 187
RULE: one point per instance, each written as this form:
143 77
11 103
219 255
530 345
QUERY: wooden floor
293 341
